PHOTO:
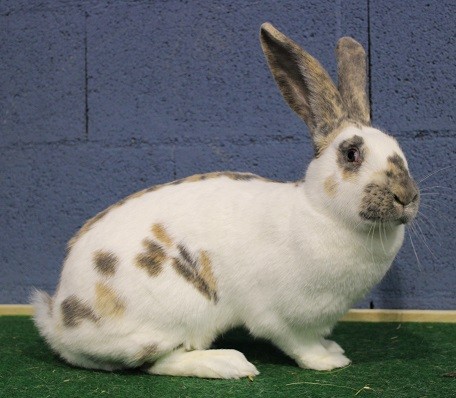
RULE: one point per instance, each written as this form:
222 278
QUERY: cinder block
42 77
9 7
49 191
167 71
283 161
413 64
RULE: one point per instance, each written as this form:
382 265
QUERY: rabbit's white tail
42 305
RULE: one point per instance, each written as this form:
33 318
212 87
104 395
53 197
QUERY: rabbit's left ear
352 75
304 84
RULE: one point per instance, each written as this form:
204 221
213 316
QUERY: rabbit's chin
406 217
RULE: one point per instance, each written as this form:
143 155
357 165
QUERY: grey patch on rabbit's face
105 262
403 186
350 169
197 272
377 203
152 259
395 199
107 302
74 311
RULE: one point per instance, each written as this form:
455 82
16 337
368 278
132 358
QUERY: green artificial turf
389 360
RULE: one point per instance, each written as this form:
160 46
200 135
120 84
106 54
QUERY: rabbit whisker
381 239
434 172
414 251
435 204
433 187
372 242
368 237
435 193
430 223
423 238
384 230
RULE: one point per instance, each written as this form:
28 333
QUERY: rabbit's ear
304 84
352 74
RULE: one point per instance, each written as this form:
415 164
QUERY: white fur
288 260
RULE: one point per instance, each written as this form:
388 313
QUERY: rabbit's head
359 174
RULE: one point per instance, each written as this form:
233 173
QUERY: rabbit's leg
309 350
108 347
312 352
332 346
316 356
214 364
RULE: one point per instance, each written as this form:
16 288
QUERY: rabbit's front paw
213 364
332 346
326 361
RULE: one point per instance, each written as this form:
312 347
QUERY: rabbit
151 281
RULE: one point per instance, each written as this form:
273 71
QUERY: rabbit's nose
406 194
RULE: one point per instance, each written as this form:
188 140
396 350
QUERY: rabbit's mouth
409 212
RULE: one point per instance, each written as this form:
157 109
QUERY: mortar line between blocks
86 81
369 59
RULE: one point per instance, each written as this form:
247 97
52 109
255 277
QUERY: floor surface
389 360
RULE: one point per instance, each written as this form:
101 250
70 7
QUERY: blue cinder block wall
99 99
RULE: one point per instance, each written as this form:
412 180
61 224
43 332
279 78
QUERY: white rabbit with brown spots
154 279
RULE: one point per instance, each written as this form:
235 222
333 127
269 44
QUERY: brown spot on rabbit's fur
187 257
183 269
206 270
198 273
196 177
330 186
161 235
151 260
147 353
230 174
74 310
243 176
107 302
105 262
396 166
399 180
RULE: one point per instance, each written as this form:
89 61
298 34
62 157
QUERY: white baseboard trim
356 315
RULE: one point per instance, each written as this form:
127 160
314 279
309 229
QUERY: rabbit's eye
353 155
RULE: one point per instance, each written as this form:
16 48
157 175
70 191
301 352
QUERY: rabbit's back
161 261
